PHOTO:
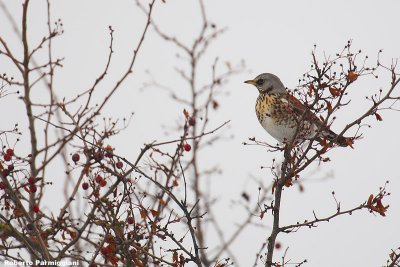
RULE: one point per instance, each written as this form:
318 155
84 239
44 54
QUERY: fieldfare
283 116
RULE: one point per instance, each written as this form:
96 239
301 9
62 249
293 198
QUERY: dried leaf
175 257
143 213
186 113
334 91
72 234
289 182
215 104
352 76
369 202
373 208
310 90
349 142
378 117
380 207
181 261
329 106
154 213
382 212
162 202
273 187
323 142
17 212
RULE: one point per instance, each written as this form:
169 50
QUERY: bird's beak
250 82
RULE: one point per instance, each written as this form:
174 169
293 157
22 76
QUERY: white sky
270 36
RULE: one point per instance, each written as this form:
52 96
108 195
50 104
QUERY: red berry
85 186
278 245
5 172
109 154
98 179
192 121
31 180
187 147
119 164
35 209
2 185
10 167
10 152
33 188
7 157
75 157
105 250
131 220
103 183
98 156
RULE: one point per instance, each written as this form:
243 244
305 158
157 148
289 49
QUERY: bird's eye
260 81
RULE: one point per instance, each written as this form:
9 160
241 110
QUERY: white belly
279 132
286 132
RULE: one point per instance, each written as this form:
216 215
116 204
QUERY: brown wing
300 109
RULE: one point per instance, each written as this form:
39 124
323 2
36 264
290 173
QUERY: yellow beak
250 82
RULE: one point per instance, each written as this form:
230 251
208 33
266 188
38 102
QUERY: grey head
268 83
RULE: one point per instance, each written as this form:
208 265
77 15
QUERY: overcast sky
270 36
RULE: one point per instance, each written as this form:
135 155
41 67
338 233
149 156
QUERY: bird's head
267 83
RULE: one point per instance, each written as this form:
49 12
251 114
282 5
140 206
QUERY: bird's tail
338 139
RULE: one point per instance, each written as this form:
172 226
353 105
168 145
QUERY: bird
285 117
